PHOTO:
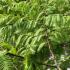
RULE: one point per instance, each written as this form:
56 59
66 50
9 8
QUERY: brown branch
53 56
14 55
51 52
48 65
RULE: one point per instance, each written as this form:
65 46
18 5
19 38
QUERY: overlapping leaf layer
34 34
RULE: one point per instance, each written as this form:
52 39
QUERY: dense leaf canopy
34 34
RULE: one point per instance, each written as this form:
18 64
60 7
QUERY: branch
14 55
53 56
51 52
48 65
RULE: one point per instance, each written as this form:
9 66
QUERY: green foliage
5 61
34 34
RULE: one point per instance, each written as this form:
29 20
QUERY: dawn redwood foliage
34 34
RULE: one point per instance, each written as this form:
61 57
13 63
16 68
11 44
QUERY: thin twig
48 65
53 56
14 55
51 52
